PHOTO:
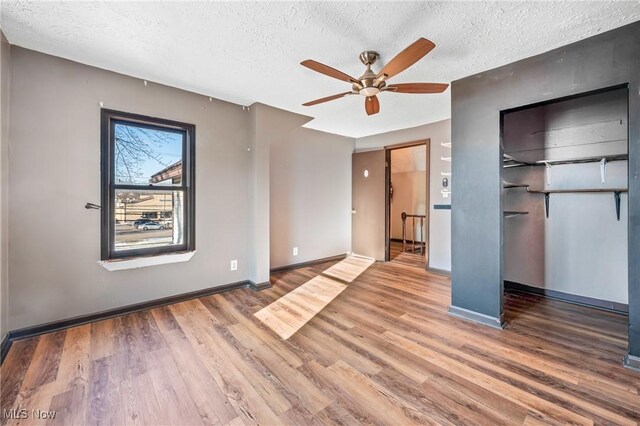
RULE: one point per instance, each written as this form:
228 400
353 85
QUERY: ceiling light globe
369 91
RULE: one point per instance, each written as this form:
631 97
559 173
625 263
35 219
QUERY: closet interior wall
581 248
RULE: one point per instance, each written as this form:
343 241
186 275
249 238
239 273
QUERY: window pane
145 155
148 219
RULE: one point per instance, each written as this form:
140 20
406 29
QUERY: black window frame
108 120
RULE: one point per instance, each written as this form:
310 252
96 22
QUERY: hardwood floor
292 311
384 351
406 258
349 269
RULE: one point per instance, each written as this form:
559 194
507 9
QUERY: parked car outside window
150 224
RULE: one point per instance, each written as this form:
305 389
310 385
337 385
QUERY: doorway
407 203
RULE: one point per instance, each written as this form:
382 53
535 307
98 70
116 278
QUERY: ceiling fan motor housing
369 85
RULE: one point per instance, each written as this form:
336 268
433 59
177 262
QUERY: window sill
143 262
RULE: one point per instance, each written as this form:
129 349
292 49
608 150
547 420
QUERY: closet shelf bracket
616 193
546 204
547 170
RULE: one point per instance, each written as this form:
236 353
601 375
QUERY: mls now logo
23 413
15 413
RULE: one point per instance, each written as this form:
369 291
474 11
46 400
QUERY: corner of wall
267 124
5 76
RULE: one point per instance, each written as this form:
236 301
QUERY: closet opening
565 210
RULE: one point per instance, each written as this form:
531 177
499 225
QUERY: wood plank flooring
406 258
349 269
292 311
384 351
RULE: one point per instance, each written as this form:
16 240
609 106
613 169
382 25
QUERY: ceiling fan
370 83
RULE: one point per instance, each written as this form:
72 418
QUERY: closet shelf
547 192
509 161
576 191
508 214
579 160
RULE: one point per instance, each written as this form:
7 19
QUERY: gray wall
439 220
5 70
606 60
310 193
55 168
581 248
582 127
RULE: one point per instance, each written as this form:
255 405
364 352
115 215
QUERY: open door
368 201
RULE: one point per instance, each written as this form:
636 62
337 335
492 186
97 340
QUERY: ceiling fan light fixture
370 83
369 91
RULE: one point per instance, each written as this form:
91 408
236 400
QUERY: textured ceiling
250 52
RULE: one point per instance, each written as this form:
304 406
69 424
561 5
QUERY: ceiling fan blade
327 70
372 105
407 57
327 99
417 87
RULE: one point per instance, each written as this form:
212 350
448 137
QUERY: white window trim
143 262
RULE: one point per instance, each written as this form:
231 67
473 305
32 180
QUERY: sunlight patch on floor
288 314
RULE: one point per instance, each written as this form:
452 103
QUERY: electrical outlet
234 265
295 251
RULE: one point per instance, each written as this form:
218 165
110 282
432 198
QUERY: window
148 186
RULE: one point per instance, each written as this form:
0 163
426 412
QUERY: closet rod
509 161
572 191
580 160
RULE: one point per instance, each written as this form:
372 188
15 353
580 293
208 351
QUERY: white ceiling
250 52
